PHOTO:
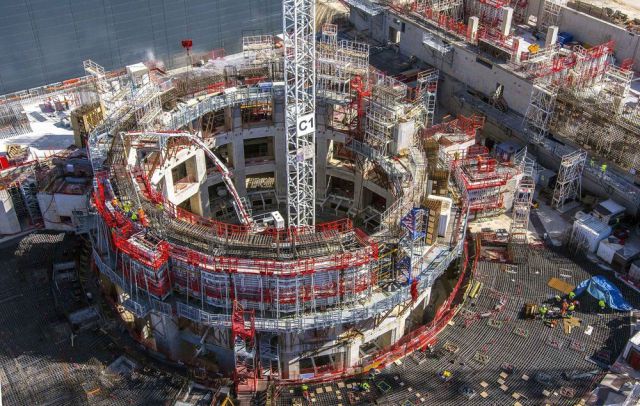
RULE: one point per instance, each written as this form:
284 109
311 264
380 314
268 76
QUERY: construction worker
365 386
445 375
602 304
603 169
134 217
558 299
565 306
571 309
305 391
127 208
543 310
572 295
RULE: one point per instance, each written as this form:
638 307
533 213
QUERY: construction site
389 202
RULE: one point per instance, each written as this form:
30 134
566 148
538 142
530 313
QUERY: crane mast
300 107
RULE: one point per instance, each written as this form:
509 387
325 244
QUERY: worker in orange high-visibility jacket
141 217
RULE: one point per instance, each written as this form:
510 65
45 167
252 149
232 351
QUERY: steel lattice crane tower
300 107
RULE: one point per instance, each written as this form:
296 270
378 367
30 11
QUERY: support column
358 190
472 28
280 145
322 149
517 49
168 188
507 19
9 223
352 354
166 334
204 201
200 174
398 332
239 178
236 119
289 359
552 36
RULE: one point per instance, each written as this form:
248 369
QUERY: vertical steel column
299 75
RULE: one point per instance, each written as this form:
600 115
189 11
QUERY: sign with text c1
306 124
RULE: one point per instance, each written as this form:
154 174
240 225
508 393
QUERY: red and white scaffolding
553 72
243 336
272 287
143 263
482 180
454 136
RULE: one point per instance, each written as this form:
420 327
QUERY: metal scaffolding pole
300 76
569 183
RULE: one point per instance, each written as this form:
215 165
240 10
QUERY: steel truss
414 224
300 106
522 199
551 12
569 183
428 87
537 119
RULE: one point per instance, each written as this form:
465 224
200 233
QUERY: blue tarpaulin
600 288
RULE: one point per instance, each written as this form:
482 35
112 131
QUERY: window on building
259 148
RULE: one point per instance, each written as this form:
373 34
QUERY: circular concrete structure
264 299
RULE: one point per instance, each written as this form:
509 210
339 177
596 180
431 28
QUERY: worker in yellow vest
543 310
602 305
